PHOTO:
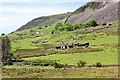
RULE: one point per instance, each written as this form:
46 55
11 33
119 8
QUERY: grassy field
103 48
100 42
74 58
51 72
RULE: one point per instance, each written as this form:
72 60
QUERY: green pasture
25 44
108 56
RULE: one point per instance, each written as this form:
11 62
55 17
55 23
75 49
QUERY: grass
18 44
57 38
103 48
50 72
90 58
28 67
24 44
60 37
109 54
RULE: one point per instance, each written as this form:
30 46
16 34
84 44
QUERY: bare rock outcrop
100 11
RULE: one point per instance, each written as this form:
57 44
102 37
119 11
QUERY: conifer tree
6 51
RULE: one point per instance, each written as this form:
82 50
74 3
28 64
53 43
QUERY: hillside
60 50
100 11
44 20
41 48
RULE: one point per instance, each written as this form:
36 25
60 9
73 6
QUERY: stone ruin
64 46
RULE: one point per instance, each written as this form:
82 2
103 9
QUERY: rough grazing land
38 45
103 48
50 72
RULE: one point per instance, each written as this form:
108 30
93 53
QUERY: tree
6 51
76 26
92 23
85 25
69 27
57 25
81 26
61 28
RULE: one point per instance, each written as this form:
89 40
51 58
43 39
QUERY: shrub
66 65
69 27
52 32
98 64
46 26
57 25
92 23
3 34
40 27
32 30
61 28
11 32
104 24
81 63
85 25
76 26
81 26
57 65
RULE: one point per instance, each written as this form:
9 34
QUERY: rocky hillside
100 11
45 20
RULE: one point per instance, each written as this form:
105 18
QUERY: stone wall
31 64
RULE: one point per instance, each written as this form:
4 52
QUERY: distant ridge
44 20
100 11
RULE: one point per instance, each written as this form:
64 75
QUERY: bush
98 64
46 26
57 65
104 24
69 27
81 63
32 30
40 27
61 28
52 32
66 65
11 32
92 23
85 25
81 26
57 25
76 26
3 34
